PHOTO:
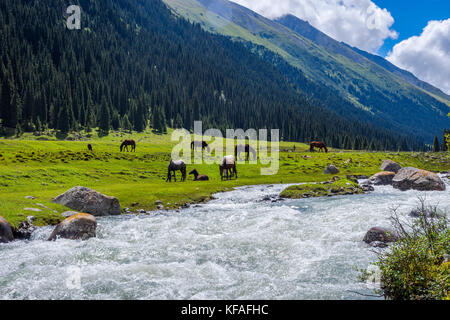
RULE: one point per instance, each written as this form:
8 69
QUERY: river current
237 246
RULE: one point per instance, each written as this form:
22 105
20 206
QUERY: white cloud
427 55
359 23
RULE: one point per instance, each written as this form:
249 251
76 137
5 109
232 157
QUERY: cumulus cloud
427 56
359 23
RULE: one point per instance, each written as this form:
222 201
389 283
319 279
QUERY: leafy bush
416 267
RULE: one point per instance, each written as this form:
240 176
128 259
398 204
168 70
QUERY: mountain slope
385 99
134 63
406 75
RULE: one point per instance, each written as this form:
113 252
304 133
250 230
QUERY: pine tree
178 124
436 147
63 120
104 124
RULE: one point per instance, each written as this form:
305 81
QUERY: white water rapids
234 247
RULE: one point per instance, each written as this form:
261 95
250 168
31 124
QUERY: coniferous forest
134 64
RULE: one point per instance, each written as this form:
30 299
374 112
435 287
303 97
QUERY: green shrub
416 267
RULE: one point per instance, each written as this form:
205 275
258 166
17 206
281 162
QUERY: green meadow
44 167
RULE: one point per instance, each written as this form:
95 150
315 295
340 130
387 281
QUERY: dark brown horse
90 147
229 166
126 143
177 165
199 177
238 149
317 144
199 144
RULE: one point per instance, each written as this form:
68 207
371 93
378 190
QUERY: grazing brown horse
199 177
199 144
90 147
126 143
229 166
238 149
317 144
177 165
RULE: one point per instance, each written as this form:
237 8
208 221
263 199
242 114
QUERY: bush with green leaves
417 267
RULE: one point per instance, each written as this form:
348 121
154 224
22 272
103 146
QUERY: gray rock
331 169
32 209
67 214
6 234
367 188
382 178
160 206
90 201
389 165
158 202
25 229
30 197
378 234
80 226
413 178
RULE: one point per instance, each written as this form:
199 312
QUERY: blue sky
411 16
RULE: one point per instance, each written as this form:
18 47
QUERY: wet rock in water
331 169
160 207
142 211
428 212
25 229
389 165
383 178
6 232
80 226
89 201
378 236
416 179
367 188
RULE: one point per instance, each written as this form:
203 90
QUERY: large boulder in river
6 234
413 178
389 165
90 201
379 237
382 178
80 226
331 169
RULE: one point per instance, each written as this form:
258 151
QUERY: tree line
134 65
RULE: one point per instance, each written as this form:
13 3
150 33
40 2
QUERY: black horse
90 147
238 149
177 165
199 177
126 143
199 144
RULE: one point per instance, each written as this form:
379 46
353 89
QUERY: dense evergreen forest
135 64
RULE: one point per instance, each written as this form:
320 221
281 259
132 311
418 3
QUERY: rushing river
234 247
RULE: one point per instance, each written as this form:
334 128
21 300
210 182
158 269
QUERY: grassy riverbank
44 167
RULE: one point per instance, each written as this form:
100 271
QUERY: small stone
32 209
30 197
158 202
68 214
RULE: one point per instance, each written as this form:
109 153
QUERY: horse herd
227 167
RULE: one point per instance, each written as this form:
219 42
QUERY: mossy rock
324 189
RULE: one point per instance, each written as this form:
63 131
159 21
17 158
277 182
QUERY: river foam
234 247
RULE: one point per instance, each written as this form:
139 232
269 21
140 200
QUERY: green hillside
374 93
